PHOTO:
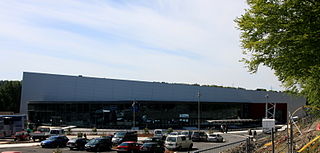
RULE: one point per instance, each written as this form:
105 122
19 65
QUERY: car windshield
196 134
124 144
53 138
94 141
120 135
157 132
171 139
185 133
44 129
148 144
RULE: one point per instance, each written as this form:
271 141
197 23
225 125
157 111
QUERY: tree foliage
10 93
285 36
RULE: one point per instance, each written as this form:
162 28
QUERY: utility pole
272 139
199 110
270 109
134 113
291 135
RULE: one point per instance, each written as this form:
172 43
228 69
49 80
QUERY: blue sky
175 41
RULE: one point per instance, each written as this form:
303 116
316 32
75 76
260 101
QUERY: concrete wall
50 87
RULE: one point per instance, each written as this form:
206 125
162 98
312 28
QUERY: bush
170 130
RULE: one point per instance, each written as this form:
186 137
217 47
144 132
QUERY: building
101 102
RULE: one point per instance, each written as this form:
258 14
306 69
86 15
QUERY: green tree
10 93
285 36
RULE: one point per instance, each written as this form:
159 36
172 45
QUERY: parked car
187 134
98 144
55 141
160 132
21 136
199 136
152 147
41 133
215 138
128 146
178 142
157 140
175 133
123 136
56 132
77 143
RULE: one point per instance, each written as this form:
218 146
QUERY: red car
128 146
20 136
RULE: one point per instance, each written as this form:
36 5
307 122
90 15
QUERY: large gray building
88 102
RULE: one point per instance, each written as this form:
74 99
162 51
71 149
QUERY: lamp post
266 96
134 113
199 110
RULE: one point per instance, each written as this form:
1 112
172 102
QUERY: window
183 138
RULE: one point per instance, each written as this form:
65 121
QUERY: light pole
199 110
266 96
134 113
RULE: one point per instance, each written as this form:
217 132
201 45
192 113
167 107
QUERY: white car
215 138
160 132
178 142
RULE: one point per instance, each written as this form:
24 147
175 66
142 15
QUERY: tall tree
285 36
10 93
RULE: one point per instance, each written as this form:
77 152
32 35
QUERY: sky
174 41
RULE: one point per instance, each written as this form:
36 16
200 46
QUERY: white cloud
170 41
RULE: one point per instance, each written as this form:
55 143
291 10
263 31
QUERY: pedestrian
222 128
85 135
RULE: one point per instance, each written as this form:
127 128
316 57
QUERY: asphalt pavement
229 138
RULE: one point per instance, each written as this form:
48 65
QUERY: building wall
50 87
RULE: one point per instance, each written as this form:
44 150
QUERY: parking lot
229 138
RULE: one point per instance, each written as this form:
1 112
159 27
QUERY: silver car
215 138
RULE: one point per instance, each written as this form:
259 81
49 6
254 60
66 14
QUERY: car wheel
190 147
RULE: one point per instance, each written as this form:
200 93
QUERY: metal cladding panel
49 87
181 93
102 90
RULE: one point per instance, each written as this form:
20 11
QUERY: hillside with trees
10 93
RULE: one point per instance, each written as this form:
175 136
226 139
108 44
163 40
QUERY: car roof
151 143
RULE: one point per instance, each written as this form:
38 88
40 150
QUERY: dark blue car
55 141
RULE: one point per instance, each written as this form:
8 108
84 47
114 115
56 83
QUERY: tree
10 93
285 36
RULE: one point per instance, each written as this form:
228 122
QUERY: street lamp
266 96
134 113
199 110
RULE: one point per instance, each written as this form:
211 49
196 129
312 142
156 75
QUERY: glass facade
121 114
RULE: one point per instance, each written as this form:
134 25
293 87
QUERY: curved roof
52 87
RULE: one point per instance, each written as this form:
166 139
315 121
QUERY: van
178 142
56 132
122 136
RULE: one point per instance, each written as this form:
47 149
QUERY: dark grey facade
86 93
